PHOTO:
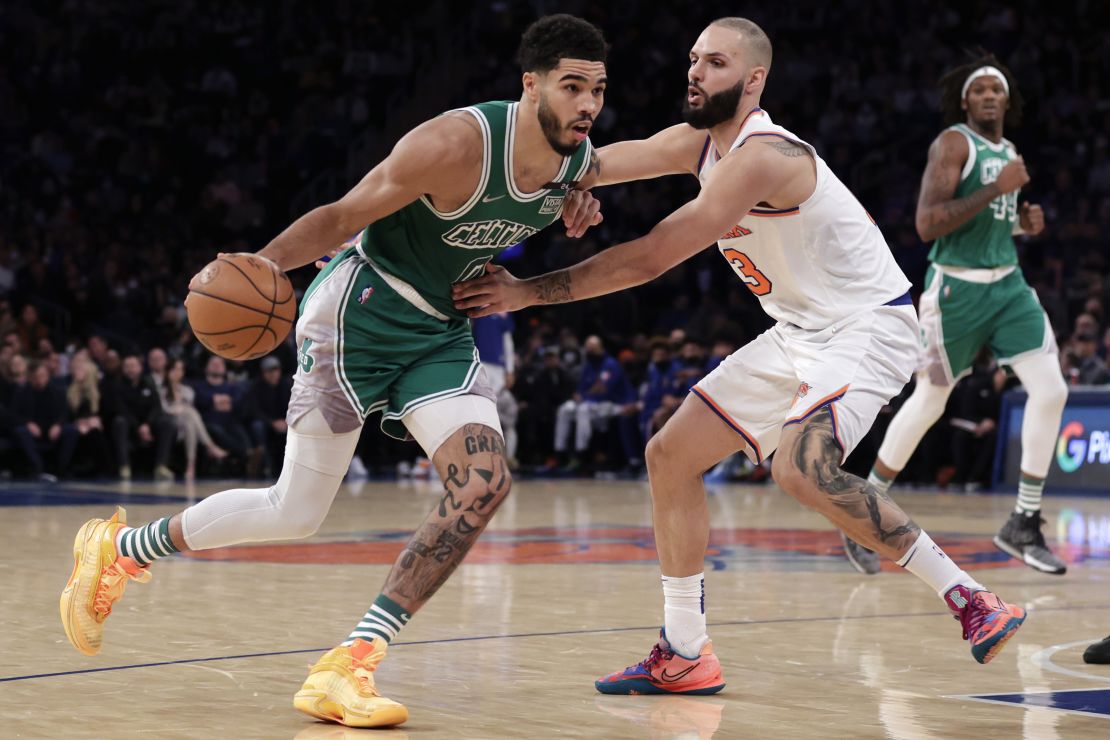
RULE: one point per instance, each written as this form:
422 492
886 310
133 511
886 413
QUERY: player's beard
553 129
715 109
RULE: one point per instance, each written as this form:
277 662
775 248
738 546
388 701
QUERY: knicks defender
976 295
810 387
378 332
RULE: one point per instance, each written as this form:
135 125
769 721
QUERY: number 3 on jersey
756 281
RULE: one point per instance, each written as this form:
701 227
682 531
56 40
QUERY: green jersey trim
510 140
1001 146
483 181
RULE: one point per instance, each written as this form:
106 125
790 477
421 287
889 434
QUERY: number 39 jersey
816 263
986 241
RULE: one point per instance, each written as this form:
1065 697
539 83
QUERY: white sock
928 562
684 614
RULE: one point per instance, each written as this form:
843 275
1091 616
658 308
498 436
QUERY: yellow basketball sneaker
340 688
99 576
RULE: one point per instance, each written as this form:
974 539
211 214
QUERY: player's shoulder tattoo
786 147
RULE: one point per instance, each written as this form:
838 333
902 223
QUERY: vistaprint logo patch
493 234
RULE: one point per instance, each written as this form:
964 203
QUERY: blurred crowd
139 139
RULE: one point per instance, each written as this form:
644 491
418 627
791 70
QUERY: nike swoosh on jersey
488 199
664 676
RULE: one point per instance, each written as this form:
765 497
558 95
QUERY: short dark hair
556 37
952 84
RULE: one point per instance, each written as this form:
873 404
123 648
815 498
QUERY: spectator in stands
44 427
602 393
221 404
545 385
660 388
156 367
31 329
1081 363
178 401
268 400
976 404
83 402
135 415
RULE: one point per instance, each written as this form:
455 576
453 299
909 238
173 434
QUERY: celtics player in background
975 295
378 332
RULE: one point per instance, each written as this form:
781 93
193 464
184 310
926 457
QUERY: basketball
241 306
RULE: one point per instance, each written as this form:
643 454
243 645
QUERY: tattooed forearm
788 148
475 482
817 454
944 218
553 288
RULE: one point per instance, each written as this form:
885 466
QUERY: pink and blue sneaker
987 620
666 672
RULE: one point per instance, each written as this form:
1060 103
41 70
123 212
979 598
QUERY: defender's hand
494 292
581 210
1032 218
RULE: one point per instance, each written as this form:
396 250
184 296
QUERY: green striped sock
146 544
1030 490
384 619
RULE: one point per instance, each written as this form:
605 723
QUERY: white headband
987 71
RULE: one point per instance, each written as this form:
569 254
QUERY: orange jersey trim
724 415
834 396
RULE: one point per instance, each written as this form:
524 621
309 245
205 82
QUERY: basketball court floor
563 588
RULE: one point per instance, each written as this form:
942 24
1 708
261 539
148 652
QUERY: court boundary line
510 636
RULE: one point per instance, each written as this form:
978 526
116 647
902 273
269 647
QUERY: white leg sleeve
909 425
316 460
1048 393
433 424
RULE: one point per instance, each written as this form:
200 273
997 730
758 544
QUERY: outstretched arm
741 180
672 151
428 159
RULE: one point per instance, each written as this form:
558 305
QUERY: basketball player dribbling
810 387
378 332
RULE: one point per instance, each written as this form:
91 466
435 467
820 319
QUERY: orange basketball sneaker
666 672
340 688
99 576
988 621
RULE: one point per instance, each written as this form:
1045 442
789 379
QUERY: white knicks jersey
813 264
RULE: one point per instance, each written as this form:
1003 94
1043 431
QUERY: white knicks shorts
787 373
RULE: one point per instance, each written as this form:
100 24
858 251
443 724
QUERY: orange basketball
241 306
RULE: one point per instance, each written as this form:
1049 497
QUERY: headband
987 71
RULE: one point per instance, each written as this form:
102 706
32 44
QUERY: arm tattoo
595 164
476 483
553 288
817 454
788 148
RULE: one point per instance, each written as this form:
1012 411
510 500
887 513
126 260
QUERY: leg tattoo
817 455
475 487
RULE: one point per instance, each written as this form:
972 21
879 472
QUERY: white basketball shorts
788 373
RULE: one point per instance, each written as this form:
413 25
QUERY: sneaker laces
657 655
363 671
112 582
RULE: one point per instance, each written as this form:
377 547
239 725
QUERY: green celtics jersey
422 251
987 239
